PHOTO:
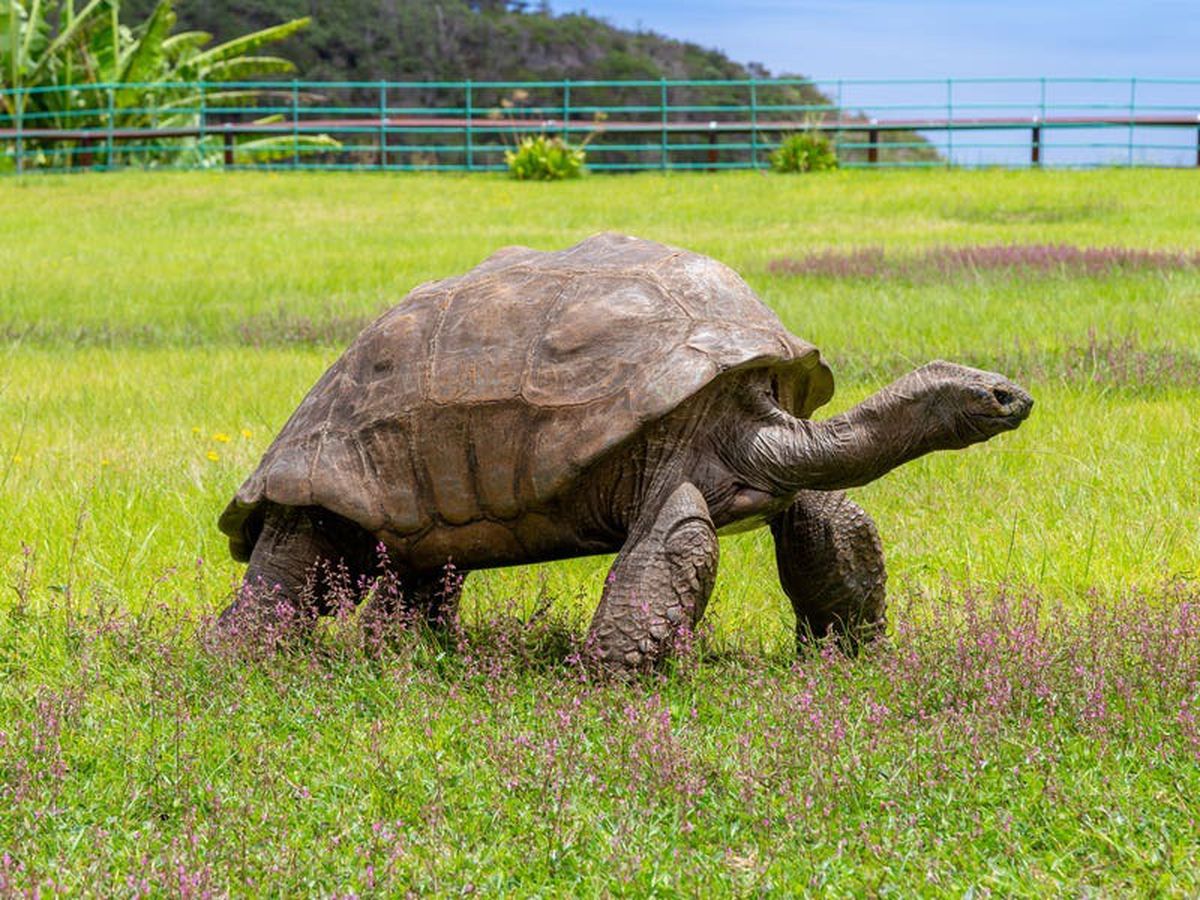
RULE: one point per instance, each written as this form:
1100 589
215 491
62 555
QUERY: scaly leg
659 584
831 566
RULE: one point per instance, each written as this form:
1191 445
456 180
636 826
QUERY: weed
1013 261
807 151
542 158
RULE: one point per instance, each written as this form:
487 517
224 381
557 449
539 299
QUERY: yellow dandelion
195 429
212 455
17 457
104 462
221 437
246 433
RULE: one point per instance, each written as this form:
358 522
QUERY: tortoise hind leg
831 566
305 563
659 584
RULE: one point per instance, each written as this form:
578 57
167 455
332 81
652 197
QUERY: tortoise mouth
1013 405
1007 416
1018 407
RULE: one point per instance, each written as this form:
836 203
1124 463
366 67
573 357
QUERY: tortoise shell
485 395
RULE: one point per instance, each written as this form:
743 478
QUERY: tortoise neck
865 442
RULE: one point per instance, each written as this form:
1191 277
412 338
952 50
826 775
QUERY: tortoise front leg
658 585
831 566
305 563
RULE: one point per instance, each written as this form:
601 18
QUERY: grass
1032 729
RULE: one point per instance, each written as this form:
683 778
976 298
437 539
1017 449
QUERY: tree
68 68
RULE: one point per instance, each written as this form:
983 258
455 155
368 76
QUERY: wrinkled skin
730 458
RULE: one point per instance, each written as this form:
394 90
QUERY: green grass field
1032 728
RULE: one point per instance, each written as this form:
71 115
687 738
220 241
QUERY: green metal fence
628 125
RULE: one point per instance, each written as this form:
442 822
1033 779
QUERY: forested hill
421 40
492 40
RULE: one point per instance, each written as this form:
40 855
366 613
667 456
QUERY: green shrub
806 151
541 158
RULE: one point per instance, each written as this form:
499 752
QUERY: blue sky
937 38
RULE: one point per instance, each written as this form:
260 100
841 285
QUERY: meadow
1031 726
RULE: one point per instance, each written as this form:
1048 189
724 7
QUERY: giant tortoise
617 396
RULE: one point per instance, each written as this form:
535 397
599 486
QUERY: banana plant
63 67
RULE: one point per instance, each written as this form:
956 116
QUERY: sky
829 39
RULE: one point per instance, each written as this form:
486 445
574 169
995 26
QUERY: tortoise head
940 406
961 405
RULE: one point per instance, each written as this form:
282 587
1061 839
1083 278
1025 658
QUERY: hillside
414 40
455 40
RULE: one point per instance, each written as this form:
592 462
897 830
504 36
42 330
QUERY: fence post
1198 141
837 135
1035 149
86 155
467 137
228 142
471 147
566 110
295 124
1132 111
1041 117
383 124
873 144
754 123
20 100
203 123
949 122
108 164
662 105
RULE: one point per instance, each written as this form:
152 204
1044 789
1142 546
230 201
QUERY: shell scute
497 474
444 450
623 322
386 443
479 351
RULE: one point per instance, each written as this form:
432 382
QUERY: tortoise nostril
1003 397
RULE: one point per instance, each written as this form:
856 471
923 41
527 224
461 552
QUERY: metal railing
628 125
